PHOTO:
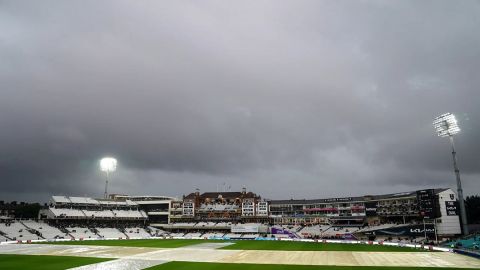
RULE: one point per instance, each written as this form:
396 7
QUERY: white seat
47 231
17 231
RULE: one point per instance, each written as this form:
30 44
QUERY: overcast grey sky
302 99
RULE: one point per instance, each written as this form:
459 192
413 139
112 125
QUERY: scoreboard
426 203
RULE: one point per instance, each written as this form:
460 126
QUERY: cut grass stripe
243 245
233 266
20 262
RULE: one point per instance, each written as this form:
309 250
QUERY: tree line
472 205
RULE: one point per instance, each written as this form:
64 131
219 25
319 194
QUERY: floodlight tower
446 126
108 165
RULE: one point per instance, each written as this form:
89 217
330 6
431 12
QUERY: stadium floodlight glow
108 165
446 126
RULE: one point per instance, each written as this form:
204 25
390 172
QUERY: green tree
472 205
27 210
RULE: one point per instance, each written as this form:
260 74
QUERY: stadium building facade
81 209
157 208
220 206
431 206
426 213
428 208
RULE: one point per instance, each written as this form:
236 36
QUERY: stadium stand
67 213
46 231
334 231
136 232
110 233
81 233
17 231
377 227
244 215
232 235
156 231
280 236
223 225
213 235
249 235
313 230
293 228
98 214
192 235
468 242
205 225
130 214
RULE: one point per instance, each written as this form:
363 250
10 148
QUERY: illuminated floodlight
446 125
108 164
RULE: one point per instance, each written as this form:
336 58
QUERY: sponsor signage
452 208
409 230
338 199
283 231
244 228
349 236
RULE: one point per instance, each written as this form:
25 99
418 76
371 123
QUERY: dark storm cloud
289 98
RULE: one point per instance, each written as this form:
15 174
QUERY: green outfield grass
232 266
310 246
155 243
244 245
21 262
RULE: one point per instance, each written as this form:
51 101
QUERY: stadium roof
90 201
402 194
317 201
353 199
60 199
226 195
83 200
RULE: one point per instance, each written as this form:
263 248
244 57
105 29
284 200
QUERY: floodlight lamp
108 164
446 125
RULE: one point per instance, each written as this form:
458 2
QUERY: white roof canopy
90 201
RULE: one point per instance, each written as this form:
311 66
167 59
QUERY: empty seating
192 235
17 231
135 232
81 232
232 235
47 231
376 227
249 235
313 230
213 235
223 225
128 214
67 213
205 224
333 231
98 214
110 233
